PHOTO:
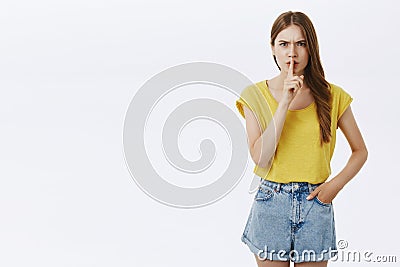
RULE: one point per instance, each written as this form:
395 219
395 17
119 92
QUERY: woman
291 123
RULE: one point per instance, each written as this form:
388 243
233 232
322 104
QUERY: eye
283 44
301 44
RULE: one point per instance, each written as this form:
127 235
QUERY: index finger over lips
290 71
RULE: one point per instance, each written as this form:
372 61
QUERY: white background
68 70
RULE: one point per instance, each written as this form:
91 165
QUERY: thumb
313 194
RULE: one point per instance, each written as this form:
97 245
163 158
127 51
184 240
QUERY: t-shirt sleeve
344 100
245 99
252 98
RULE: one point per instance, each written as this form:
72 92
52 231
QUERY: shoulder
252 89
250 97
340 100
335 89
338 92
252 94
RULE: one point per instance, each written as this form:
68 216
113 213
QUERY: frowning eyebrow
284 41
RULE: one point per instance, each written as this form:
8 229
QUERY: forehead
291 33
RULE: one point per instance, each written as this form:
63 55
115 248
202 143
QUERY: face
291 43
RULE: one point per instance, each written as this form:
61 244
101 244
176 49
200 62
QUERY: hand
291 85
325 192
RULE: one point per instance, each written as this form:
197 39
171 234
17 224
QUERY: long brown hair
314 73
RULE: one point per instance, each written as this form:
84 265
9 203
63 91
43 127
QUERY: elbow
260 159
257 159
362 154
260 162
264 164
365 154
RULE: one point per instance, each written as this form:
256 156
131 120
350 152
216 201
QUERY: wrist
337 182
283 105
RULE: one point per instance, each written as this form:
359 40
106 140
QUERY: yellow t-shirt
299 157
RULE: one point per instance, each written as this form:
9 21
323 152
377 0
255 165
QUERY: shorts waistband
290 187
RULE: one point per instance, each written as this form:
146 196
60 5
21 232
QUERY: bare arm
262 146
347 123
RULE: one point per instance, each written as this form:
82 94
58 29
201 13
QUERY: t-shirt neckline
276 102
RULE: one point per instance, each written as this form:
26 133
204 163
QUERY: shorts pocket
264 193
321 203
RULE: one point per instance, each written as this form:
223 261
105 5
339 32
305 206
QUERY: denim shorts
283 225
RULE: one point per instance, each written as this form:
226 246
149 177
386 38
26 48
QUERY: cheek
306 58
306 55
280 60
279 56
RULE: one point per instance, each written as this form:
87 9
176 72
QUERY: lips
295 64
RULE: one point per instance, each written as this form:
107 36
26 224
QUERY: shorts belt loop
310 188
279 187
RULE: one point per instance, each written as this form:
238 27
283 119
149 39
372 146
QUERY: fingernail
308 197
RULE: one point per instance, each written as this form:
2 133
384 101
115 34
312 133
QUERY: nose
292 51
